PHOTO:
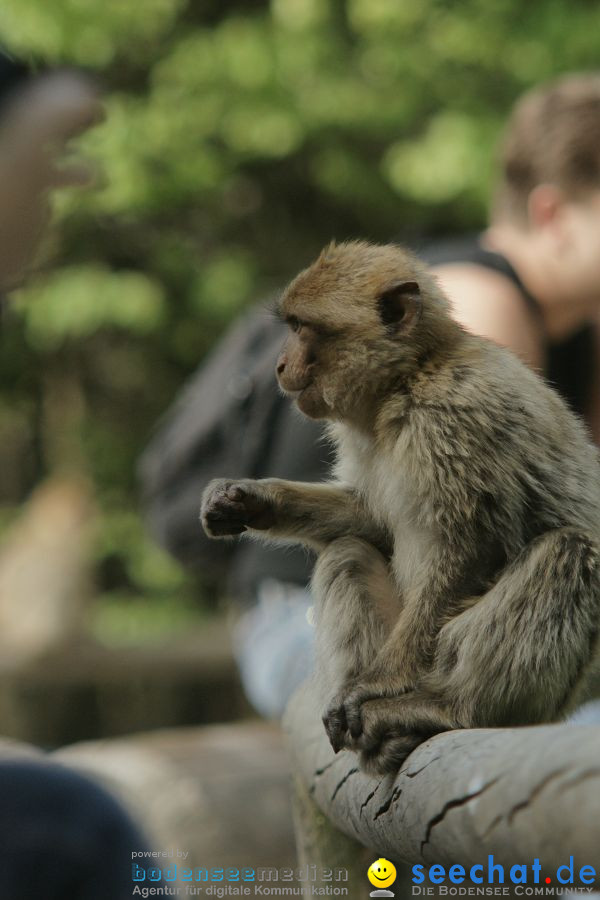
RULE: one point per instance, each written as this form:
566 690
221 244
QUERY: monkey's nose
281 364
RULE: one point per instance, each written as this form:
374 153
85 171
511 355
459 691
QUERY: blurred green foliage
239 138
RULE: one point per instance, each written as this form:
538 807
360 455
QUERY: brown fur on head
362 317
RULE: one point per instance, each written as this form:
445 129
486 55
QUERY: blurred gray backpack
220 425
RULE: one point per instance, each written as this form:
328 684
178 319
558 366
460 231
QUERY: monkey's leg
356 605
384 709
515 657
519 655
294 511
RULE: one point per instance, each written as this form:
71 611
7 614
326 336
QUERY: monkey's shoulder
485 426
485 393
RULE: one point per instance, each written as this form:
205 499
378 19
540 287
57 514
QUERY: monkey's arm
450 585
296 511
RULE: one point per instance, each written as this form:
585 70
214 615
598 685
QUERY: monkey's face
297 369
312 362
355 321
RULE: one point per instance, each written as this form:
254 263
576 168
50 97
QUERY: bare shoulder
489 304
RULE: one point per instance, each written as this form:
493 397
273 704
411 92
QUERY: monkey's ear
399 306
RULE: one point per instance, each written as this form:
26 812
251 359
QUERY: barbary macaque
457 582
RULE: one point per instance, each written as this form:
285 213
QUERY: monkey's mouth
311 403
295 393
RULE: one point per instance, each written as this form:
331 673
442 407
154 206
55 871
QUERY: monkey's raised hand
230 507
310 514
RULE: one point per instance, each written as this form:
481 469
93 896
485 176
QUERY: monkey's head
362 319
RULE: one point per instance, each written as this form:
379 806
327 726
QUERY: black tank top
570 363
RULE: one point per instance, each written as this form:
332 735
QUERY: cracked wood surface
518 793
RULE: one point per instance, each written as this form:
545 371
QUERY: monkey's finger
226 513
390 753
353 705
221 507
382 721
224 529
377 725
384 716
220 519
334 721
235 493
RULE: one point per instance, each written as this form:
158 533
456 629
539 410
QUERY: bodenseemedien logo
382 874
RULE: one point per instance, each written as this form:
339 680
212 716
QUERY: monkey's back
478 451
505 450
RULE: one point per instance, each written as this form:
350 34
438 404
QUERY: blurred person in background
530 281
61 836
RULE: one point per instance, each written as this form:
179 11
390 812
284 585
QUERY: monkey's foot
390 732
383 730
343 720
230 507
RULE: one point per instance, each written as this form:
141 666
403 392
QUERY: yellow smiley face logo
382 873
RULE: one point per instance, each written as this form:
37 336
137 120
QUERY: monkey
457 580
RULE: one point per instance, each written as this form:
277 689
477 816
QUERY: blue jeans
273 645
62 837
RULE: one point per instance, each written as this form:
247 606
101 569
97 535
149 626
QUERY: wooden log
321 845
218 793
518 793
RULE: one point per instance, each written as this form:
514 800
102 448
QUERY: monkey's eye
294 323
